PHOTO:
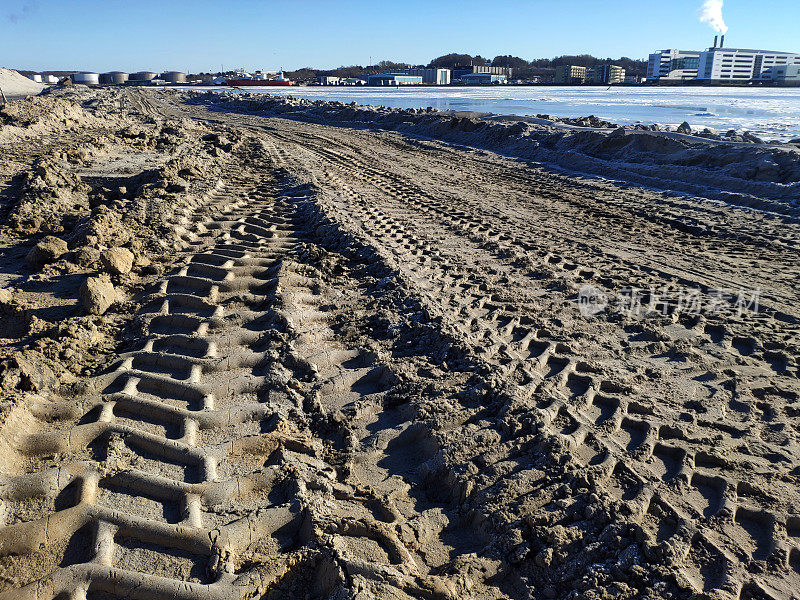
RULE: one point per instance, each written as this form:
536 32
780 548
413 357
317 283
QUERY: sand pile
15 85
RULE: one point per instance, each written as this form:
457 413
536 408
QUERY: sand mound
15 85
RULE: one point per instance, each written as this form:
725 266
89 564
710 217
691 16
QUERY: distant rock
98 294
684 128
48 250
117 261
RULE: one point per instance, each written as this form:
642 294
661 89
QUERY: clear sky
200 35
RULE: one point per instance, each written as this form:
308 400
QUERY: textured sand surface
350 363
15 85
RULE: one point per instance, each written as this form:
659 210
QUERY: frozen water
771 113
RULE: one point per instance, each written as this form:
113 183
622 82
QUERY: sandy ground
15 85
277 357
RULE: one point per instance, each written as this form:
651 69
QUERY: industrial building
673 65
483 79
570 74
607 74
725 65
459 72
432 76
328 80
394 79
35 77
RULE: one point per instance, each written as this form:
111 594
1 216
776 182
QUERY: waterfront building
432 76
459 72
608 74
570 74
483 78
729 65
328 80
394 79
673 65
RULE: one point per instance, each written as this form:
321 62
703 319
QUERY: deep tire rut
146 458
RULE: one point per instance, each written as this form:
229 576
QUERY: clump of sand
15 85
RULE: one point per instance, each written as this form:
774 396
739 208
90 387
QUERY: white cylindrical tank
50 79
36 77
87 78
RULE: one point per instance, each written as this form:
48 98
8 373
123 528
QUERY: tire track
718 527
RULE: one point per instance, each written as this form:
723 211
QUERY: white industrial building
725 65
741 65
673 65
432 76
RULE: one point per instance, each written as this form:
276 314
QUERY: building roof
726 49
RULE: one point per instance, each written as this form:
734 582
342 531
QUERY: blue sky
202 35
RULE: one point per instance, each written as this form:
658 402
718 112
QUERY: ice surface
771 113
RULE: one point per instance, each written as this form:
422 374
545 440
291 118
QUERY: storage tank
143 76
114 77
36 77
50 79
87 78
174 77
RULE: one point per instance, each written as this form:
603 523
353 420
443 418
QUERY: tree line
542 67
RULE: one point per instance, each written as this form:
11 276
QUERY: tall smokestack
722 42
716 37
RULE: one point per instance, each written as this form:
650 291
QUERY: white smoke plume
711 13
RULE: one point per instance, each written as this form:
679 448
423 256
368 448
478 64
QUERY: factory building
570 74
673 65
607 74
483 78
394 79
328 80
725 65
728 65
432 76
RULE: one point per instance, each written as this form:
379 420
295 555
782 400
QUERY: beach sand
267 348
